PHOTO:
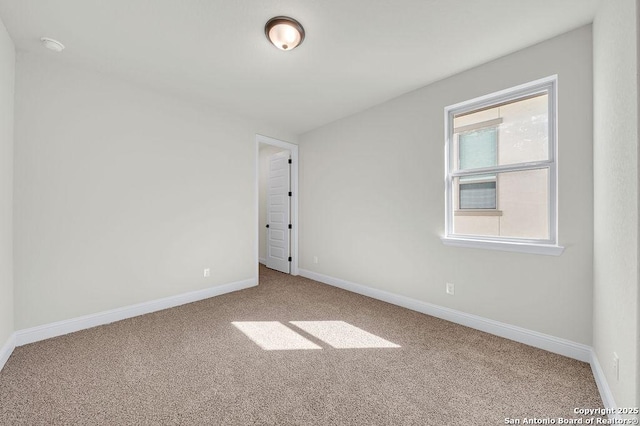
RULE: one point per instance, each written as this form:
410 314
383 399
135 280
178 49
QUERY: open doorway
277 204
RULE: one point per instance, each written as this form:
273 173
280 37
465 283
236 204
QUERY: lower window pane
511 205
478 195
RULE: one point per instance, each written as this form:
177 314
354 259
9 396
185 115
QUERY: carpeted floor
191 365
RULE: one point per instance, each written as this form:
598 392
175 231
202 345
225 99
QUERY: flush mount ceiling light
285 33
52 44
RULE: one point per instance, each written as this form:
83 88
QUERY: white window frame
536 246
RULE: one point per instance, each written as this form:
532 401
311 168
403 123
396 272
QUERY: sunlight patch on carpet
274 336
342 335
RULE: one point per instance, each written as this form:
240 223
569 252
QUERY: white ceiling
357 53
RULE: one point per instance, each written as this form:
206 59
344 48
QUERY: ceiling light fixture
52 44
285 33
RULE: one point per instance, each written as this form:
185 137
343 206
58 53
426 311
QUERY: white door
278 212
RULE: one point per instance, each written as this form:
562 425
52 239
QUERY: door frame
293 149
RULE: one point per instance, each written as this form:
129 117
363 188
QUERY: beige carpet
191 365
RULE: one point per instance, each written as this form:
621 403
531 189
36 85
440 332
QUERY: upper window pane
513 132
478 148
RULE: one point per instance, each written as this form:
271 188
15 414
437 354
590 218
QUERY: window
501 170
478 148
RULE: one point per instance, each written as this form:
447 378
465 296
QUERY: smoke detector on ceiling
52 44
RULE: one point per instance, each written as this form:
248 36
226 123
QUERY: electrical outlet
315 259
451 289
207 272
616 366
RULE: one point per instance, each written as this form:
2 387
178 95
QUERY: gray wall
372 199
7 69
615 325
123 195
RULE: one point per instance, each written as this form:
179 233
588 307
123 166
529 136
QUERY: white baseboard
262 260
603 386
532 338
529 337
539 340
7 349
46 331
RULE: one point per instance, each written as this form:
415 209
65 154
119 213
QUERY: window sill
545 249
478 212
